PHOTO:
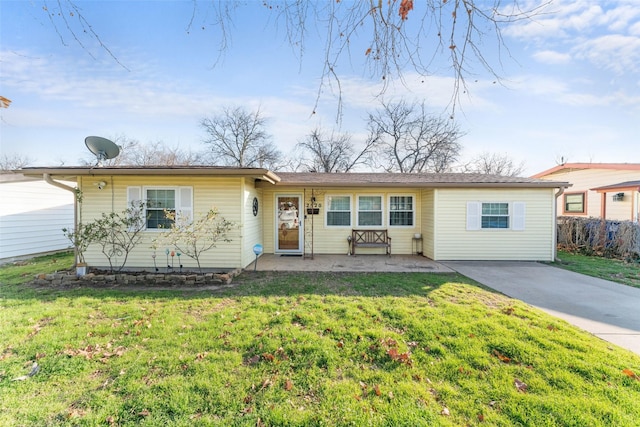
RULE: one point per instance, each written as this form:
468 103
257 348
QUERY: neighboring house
443 216
605 190
32 216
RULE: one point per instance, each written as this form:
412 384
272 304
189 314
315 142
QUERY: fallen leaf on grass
288 385
521 386
268 356
508 310
445 411
501 356
631 374
266 383
399 357
253 360
376 390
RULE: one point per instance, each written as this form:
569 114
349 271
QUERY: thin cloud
605 34
615 52
552 57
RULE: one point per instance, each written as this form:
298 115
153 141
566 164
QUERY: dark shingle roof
412 179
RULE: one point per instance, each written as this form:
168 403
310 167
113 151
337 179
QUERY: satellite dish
102 148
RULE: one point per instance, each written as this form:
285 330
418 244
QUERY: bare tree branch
9 162
410 140
238 137
332 152
135 153
398 35
493 164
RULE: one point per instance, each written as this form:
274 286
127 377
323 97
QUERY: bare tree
395 35
410 140
135 153
10 162
157 153
493 164
333 152
238 138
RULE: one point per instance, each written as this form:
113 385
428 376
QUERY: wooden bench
370 239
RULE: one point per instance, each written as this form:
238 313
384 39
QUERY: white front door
288 224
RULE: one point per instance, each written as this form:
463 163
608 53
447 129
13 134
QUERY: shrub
594 236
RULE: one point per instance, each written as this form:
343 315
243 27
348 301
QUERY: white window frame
382 207
413 210
183 202
516 215
327 205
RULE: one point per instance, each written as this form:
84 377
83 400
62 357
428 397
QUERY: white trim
413 209
517 211
327 205
474 217
516 216
183 201
134 196
382 211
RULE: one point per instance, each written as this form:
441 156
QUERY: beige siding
333 240
585 179
224 194
252 225
428 222
454 242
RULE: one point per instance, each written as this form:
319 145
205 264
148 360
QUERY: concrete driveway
608 310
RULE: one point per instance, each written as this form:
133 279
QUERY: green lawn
627 273
304 350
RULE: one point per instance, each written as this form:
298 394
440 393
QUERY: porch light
618 197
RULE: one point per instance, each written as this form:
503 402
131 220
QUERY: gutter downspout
50 181
555 228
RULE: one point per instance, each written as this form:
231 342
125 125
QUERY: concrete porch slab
350 263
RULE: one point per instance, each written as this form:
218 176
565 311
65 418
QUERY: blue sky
570 88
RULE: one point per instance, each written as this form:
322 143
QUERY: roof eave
68 173
432 185
581 166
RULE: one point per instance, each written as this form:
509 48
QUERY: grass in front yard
627 273
24 271
303 350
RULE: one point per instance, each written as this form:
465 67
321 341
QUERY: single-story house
32 216
441 216
605 190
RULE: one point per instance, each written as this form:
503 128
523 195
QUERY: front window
574 203
369 211
495 215
339 211
401 211
159 202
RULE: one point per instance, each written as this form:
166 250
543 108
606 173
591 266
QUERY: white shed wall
32 216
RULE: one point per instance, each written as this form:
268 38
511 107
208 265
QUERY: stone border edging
135 278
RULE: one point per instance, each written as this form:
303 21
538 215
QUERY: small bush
594 236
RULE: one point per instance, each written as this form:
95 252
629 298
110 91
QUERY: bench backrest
369 236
